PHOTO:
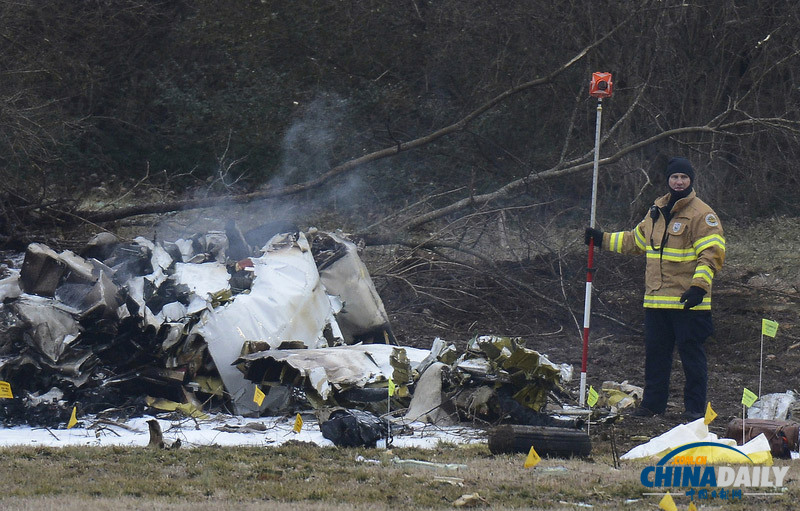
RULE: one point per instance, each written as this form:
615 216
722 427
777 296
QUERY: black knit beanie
679 165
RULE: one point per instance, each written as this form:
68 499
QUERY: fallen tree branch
490 267
269 192
517 184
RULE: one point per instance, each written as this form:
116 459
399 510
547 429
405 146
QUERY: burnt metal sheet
328 369
41 270
363 317
53 326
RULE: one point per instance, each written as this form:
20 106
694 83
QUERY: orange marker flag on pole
533 458
769 327
592 398
258 396
667 504
5 390
710 414
748 397
72 420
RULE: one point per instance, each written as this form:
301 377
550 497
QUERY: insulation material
757 449
286 302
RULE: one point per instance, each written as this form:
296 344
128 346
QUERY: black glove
593 234
693 296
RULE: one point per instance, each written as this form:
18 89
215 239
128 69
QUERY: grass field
299 476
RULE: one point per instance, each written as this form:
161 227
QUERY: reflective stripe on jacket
693 251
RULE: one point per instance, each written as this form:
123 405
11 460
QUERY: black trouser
665 328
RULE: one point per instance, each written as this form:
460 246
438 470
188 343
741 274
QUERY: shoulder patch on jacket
711 220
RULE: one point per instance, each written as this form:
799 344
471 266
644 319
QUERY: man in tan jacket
683 241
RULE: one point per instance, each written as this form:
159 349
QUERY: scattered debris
188 409
470 500
773 406
618 396
429 465
162 319
353 428
758 449
326 374
250 427
552 470
270 321
362 459
453 481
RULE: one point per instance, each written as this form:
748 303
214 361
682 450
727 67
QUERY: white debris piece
172 312
186 249
78 266
341 367
695 431
286 302
426 405
203 279
9 286
348 278
773 406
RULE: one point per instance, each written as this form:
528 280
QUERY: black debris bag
353 428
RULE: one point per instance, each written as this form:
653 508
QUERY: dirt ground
761 279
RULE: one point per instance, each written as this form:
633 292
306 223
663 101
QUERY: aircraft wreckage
252 324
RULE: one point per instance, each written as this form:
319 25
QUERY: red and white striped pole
600 87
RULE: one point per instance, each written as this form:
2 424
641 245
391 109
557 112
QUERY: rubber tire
547 441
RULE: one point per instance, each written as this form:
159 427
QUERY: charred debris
254 324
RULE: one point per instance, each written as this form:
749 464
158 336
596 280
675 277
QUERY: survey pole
600 87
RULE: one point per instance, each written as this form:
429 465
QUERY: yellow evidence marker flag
5 390
769 327
591 399
298 424
72 420
748 397
667 504
259 396
533 458
391 387
710 414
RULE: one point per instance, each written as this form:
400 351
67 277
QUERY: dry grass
306 477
